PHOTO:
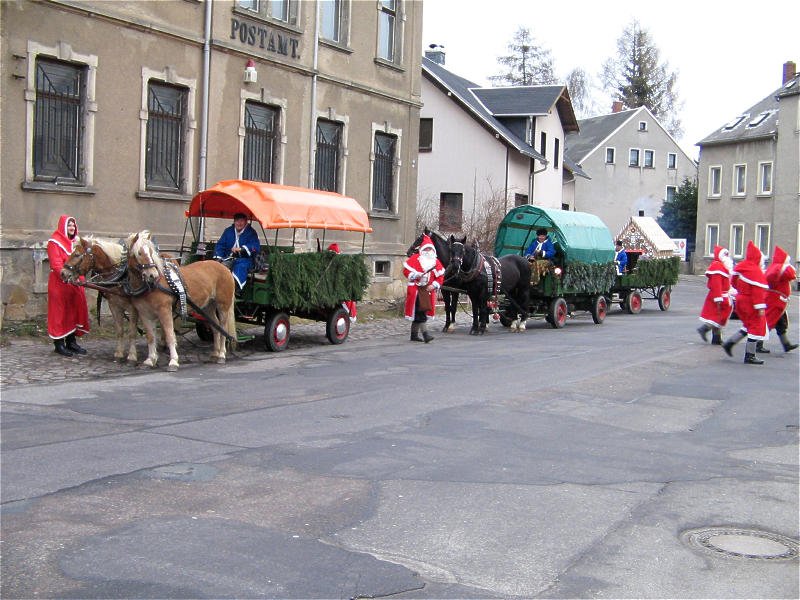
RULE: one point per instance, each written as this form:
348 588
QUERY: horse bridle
117 274
461 274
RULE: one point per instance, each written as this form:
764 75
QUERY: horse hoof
220 360
172 368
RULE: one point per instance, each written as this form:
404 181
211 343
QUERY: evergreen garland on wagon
653 272
312 280
587 277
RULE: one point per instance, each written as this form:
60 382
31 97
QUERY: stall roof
280 206
658 242
580 237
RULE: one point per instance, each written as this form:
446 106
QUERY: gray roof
482 103
519 101
594 131
757 122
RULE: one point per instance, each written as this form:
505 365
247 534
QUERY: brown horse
208 284
104 263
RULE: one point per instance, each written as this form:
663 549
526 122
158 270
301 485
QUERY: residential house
634 164
489 147
749 181
119 112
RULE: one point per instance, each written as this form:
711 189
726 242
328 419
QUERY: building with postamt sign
117 113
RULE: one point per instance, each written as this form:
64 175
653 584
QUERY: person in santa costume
718 307
67 311
780 276
425 275
348 305
751 302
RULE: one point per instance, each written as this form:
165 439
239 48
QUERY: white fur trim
754 283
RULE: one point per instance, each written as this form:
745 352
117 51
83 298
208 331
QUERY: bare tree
580 86
427 213
637 77
526 63
487 213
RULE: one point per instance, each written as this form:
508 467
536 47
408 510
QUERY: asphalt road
623 460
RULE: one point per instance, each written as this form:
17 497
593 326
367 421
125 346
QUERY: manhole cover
742 543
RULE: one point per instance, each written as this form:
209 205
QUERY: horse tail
230 324
99 302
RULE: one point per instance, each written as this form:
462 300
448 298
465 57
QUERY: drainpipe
530 179
505 190
202 166
313 109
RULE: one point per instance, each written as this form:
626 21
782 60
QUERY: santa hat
427 243
334 247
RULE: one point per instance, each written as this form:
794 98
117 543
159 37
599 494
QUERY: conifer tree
526 63
678 216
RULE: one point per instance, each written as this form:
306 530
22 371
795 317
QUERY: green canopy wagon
582 272
283 283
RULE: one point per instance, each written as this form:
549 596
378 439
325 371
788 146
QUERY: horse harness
484 263
108 284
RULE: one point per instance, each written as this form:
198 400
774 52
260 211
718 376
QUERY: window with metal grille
383 172
164 159
58 121
260 142
451 214
326 164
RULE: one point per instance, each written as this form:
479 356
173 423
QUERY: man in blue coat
541 247
237 246
620 258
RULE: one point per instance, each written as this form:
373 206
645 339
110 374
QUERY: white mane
111 248
144 245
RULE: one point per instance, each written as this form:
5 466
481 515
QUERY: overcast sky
728 54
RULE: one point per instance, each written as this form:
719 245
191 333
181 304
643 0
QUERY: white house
500 146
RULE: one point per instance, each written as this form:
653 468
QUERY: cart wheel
599 309
276 332
633 302
558 312
664 298
337 327
204 331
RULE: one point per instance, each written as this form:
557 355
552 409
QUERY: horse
207 284
104 263
449 293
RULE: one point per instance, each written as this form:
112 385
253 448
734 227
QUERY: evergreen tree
678 217
526 63
637 77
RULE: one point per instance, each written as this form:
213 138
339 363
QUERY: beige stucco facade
124 45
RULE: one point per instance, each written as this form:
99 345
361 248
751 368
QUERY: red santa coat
67 311
418 277
717 307
751 286
780 276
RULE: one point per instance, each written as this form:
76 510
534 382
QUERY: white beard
427 261
728 262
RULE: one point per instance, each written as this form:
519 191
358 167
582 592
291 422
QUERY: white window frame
756 238
666 193
638 157
281 104
642 125
765 184
168 75
652 154
343 25
711 179
613 155
709 248
399 25
735 191
62 51
736 252
386 128
672 160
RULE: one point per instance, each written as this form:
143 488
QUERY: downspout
313 109
505 190
530 179
202 173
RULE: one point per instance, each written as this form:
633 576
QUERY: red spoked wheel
558 313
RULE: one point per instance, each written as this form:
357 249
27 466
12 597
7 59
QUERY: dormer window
642 125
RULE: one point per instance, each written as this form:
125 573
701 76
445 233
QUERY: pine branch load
653 272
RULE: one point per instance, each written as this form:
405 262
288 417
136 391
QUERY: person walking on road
780 275
67 311
751 302
425 275
717 307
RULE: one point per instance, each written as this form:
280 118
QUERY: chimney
789 70
616 106
436 54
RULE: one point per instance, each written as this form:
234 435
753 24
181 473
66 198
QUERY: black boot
716 337
760 347
787 345
703 330
61 348
750 357
733 340
72 345
415 333
426 336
